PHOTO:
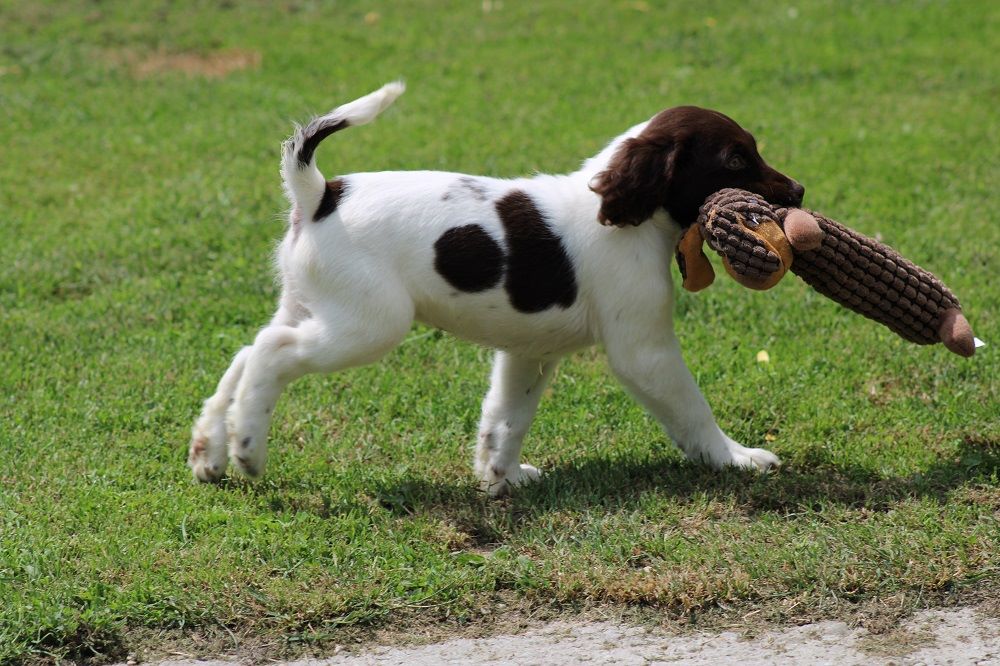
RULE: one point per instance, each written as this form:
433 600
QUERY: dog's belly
488 319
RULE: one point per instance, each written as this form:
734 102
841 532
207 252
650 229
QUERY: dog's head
683 155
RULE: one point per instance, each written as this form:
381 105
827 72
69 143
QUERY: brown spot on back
477 189
466 185
468 258
539 272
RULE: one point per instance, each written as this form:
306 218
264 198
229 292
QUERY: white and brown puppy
532 267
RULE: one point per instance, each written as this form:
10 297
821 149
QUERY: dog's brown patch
332 194
466 185
539 272
468 258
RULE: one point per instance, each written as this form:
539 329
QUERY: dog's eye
736 163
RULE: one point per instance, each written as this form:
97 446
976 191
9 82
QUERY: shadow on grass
810 483
625 481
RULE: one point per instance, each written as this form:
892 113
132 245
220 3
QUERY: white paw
728 453
760 459
525 474
207 451
499 482
247 456
247 445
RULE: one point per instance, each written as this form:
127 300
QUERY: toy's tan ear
695 267
802 230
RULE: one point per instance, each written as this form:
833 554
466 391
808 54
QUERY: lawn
139 202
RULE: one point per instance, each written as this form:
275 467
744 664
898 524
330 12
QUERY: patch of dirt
899 641
953 636
209 64
250 639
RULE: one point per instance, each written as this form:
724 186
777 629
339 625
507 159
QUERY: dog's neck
594 165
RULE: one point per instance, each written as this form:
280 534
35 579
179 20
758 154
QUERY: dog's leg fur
328 340
646 357
655 373
516 386
208 452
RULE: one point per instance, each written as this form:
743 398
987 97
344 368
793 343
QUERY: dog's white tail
303 181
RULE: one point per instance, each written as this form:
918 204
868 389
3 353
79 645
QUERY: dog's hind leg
516 386
207 454
329 340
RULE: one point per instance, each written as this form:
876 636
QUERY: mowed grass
139 203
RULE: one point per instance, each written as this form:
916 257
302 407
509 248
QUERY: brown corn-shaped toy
759 242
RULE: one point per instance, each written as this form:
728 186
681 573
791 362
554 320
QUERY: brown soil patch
211 65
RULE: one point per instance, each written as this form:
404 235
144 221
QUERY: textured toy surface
753 237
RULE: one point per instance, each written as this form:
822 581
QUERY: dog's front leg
516 386
655 373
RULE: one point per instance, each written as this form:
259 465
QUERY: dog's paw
525 474
247 442
759 459
499 482
248 454
207 451
729 453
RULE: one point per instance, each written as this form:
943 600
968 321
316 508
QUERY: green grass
139 203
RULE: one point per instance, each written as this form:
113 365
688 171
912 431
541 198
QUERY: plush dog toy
760 242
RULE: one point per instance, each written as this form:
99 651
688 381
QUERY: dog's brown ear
635 182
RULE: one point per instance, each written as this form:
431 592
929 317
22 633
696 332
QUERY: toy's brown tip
802 230
956 334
